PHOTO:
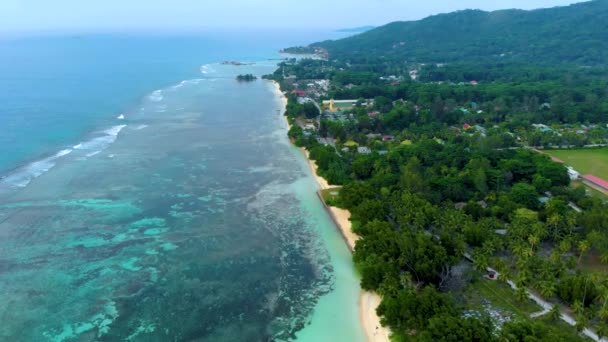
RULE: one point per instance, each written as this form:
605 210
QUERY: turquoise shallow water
191 218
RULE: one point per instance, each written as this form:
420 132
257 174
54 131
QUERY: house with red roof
299 93
596 183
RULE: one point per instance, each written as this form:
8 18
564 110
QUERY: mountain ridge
574 34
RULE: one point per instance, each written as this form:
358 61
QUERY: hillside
575 34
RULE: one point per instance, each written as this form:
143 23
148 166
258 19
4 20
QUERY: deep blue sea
146 195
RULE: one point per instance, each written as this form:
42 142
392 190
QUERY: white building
574 175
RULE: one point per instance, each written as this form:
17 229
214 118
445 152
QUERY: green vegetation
246 78
499 295
331 196
436 166
507 35
586 161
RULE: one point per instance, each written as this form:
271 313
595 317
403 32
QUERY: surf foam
156 96
21 177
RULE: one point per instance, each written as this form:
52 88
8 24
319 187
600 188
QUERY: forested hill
575 34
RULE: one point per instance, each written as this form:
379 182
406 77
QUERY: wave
186 83
156 96
101 142
21 177
93 154
205 69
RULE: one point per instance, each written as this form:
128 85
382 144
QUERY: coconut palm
547 289
522 250
603 296
521 294
581 323
583 247
565 245
555 314
604 258
504 275
602 330
534 240
577 307
480 260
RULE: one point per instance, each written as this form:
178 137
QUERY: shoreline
368 301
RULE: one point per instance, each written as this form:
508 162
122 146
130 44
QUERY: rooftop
596 180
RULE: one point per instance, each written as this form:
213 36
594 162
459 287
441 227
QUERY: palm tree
604 258
547 289
583 247
521 294
565 245
522 251
581 323
555 256
555 314
523 277
504 275
602 330
480 260
533 240
577 307
603 296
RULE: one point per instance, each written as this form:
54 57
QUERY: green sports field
585 161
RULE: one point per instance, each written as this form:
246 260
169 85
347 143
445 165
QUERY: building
574 175
299 93
364 150
310 125
596 183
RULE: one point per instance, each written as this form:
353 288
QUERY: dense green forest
440 166
576 34
421 206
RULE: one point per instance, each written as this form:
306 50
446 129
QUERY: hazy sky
119 15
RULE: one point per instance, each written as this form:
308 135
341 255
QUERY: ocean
146 195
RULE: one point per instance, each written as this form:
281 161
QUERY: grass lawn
330 196
586 161
500 295
590 190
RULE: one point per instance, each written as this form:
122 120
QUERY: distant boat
121 117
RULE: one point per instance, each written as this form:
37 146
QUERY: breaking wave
22 176
156 96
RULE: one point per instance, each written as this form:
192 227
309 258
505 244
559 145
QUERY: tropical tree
555 314
602 329
480 260
583 247
547 289
577 307
581 322
565 245
534 240
521 294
